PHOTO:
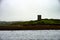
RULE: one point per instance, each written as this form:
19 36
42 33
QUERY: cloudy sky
24 10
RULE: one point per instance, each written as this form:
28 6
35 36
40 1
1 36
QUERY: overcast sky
23 10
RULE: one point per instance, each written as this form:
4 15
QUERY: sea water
30 35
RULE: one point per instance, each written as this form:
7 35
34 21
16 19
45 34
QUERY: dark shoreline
31 27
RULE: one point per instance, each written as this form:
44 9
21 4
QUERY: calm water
30 35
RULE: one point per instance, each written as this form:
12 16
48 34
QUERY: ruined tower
38 17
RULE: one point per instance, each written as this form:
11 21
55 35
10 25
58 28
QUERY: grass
43 21
32 25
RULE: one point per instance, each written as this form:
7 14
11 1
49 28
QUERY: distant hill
35 22
42 21
31 25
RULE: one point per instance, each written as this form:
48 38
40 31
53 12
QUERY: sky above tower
24 10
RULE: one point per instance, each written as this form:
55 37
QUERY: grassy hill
31 25
42 21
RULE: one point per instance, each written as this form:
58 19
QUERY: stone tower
39 17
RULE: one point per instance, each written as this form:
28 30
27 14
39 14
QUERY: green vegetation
42 21
30 25
35 22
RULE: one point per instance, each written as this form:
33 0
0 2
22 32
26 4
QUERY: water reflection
30 35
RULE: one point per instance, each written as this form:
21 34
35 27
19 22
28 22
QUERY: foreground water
30 35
